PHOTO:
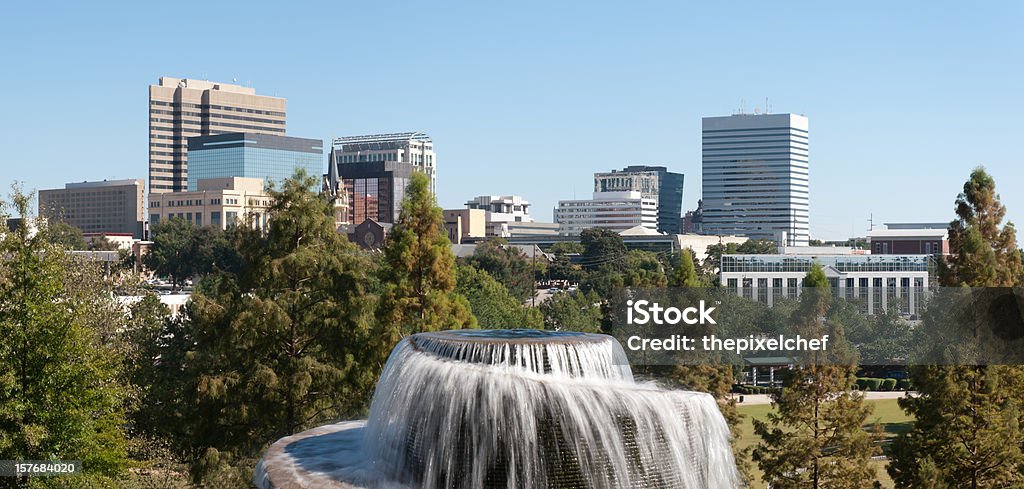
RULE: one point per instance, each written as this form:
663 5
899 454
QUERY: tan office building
465 223
220 202
114 206
182 108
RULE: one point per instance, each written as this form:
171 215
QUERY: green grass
887 413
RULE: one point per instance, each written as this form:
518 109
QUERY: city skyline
902 111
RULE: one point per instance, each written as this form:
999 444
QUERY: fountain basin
509 409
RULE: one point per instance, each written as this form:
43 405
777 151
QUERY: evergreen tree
418 275
492 304
508 265
684 274
61 396
573 311
278 346
967 418
815 439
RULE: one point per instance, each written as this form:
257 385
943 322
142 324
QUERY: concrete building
755 177
910 238
617 211
180 108
465 223
509 215
412 148
872 281
220 202
653 182
114 206
252 155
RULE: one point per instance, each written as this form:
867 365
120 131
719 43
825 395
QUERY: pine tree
968 422
280 345
815 438
418 275
61 394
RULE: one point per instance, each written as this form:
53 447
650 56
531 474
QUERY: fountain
511 409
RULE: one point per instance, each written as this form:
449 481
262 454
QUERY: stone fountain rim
542 337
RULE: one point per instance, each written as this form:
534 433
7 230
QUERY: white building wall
617 211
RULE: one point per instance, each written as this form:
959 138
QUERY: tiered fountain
512 409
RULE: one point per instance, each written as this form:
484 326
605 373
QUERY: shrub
862 383
889 384
874 384
904 385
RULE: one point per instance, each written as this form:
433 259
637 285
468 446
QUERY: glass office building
252 155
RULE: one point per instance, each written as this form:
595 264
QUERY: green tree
182 250
967 418
508 265
814 438
684 274
278 346
418 275
602 247
60 390
492 304
573 311
63 234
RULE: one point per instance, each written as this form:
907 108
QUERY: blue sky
530 98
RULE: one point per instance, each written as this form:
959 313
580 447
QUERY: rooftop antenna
871 222
767 108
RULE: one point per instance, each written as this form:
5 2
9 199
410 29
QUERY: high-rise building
182 108
617 211
252 155
755 177
653 182
373 189
413 148
115 206
218 202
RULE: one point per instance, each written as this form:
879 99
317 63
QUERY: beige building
220 202
114 206
465 223
180 108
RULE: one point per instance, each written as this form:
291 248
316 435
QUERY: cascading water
537 409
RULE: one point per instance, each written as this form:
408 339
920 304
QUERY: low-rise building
873 281
617 211
913 238
220 202
465 223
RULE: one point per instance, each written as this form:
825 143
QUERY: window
232 218
199 219
215 218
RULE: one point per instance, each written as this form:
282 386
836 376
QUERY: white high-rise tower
755 177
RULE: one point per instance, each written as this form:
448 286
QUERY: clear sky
531 98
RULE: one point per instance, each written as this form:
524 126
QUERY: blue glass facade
272 158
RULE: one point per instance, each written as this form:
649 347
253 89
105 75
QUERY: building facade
617 211
411 148
252 155
462 224
755 177
910 238
505 214
180 108
218 202
115 206
373 189
873 281
653 182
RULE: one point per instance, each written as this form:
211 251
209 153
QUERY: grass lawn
886 412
